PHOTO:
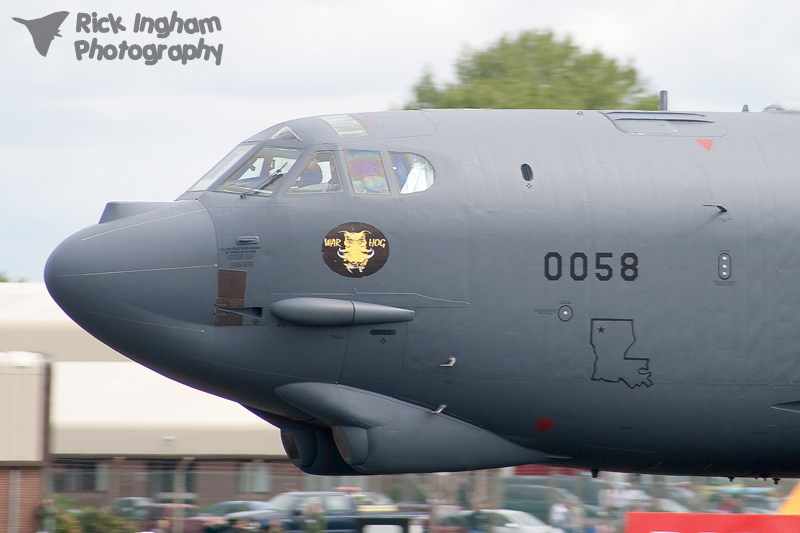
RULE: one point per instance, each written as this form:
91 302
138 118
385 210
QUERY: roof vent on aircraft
286 134
791 107
684 124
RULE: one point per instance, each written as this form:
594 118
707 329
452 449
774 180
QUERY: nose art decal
355 249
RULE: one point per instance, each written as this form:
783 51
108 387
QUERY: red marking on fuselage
706 143
544 424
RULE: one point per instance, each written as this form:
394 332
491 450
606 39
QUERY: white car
508 521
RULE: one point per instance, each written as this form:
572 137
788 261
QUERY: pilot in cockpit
312 175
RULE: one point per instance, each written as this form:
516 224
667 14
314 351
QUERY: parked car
665 505
753 500
536 499
507 521
682 495
339 508
447 519
215 514
126 507
164 516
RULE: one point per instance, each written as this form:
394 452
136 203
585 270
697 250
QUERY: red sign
710 523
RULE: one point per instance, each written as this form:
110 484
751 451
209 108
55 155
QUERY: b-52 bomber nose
563 287
144 275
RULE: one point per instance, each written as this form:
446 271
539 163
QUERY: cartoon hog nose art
355 249
355 252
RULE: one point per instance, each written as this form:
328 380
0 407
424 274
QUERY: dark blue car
340 510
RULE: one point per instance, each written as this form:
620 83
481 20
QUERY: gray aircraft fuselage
459 289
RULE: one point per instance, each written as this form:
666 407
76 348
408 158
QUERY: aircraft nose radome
155 269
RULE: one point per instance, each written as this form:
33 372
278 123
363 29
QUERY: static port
724 266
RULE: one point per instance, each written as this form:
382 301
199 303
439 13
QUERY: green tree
100 521
5 279
536 70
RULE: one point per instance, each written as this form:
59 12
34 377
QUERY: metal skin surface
632 306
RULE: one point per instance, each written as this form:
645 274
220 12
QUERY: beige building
84 422
23 437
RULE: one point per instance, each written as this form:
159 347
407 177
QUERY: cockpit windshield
253 168
262 172
222 167
250 170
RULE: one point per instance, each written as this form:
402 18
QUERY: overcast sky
77 134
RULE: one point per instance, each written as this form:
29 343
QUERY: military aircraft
444 290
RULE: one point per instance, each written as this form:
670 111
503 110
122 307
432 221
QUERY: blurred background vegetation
536 70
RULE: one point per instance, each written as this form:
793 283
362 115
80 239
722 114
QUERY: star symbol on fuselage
601 329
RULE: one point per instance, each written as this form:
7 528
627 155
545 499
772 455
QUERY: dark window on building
164 477
255 477
79 476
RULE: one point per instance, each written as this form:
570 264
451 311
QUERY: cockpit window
414 173
366 172
262 172
320 175
346 126
222 167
